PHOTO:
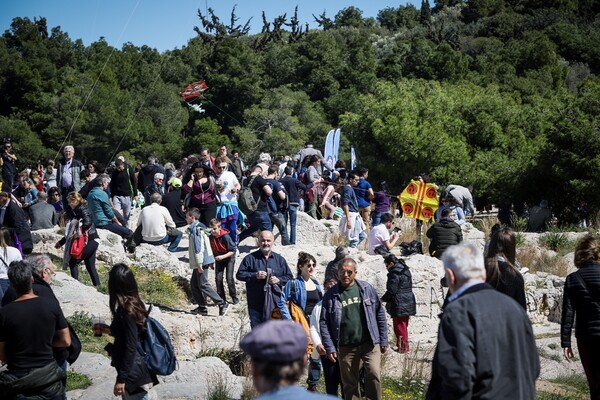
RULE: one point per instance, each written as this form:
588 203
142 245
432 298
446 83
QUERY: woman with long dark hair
129 320
83 215
304 291
581 299
501 266
200 189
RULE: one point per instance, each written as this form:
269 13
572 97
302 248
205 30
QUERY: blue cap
276 341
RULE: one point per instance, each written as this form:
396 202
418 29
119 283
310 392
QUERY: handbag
78 244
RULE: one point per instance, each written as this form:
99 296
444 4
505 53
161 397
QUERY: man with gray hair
103 214
41 214
157 224
155 187
486 348
67 176
30 327
353 328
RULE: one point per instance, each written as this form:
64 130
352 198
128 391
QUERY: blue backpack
156 348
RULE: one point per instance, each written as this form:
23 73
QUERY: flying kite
419 200
192 93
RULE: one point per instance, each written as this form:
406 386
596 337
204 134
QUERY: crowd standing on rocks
348 326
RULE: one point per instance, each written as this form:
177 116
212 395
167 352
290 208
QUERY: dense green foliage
504 95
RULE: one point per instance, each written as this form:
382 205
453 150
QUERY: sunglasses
225 167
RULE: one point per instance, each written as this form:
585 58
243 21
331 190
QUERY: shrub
77 381
82 324
518 223
557 241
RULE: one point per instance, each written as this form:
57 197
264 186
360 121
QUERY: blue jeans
362 236
123 204
173 240
120 230
256 317
376 218
279 221
259 220
314 371
291 218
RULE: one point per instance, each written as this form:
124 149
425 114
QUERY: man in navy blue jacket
354 328
254 270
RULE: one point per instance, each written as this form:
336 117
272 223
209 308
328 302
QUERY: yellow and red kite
419 200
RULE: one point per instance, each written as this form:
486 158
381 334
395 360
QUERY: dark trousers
120 230
89 259
207 212
201 289
589 352
225 267
331 374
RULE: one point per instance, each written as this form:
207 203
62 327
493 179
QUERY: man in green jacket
103 215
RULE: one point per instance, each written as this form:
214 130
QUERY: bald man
260 268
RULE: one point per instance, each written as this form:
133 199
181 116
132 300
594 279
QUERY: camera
396 229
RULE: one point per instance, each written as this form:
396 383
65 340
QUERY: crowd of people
337 328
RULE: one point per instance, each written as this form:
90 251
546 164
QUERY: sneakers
312 388
223 308
200 311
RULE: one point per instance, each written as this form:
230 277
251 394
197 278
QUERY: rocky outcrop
194 335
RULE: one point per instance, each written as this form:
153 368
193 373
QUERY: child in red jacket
224 251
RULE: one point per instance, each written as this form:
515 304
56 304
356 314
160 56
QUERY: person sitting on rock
443 234
157 225
380 240
103 215
42 214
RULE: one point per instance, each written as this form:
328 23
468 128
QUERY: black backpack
246 201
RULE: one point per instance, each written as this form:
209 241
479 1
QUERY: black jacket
172 202
582 299
291 186
130 365
443 234
399 295
511 283
16 219
486 349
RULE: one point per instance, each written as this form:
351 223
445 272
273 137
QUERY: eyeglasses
50 271
346 272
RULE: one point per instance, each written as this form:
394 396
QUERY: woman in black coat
401 303
129 322
502 268
83 214
581 299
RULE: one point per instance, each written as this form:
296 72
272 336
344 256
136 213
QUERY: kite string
69 134
132 119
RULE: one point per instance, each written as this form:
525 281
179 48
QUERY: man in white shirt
227 183
380 240
155 219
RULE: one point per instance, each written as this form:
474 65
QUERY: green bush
77 381
558 242
82 324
